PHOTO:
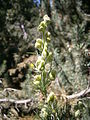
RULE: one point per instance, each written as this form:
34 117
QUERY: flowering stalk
44 73
43 63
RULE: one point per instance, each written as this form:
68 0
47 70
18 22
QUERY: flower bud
45 45
37 77
51 97
32 66
80 103
77 113
44 54
48 35
42 26
46 18
47 67
39 40
49 58
40 63
36 82
48 39
52 75
43 113
39 44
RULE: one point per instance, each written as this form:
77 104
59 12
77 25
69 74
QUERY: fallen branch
13 101
79 95
16 101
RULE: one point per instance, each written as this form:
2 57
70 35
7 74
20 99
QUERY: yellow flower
32 66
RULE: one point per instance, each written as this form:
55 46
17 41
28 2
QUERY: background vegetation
70 43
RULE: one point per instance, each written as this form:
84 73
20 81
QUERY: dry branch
81 94
24 105
16 101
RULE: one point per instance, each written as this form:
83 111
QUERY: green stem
43 37
43 84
